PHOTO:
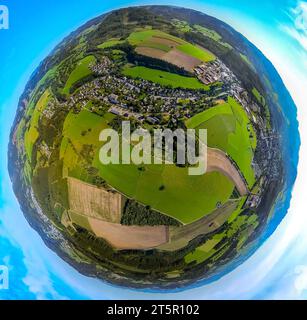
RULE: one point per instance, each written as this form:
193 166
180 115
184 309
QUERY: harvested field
167 42
151 52
173 56
94 202
218 161
161 237
182 60
130 237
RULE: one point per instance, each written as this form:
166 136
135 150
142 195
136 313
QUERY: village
148 103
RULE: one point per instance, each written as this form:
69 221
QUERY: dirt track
218 161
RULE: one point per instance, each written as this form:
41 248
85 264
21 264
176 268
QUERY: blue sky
277 270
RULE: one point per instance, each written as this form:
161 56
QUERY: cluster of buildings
209 72
141 99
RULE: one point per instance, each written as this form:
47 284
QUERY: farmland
110 43
158 44
164 78
229 129
78 130
185 198
94 202
32 134
196 52
154 38
195 196
81 71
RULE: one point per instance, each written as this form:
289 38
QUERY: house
153 120
113 98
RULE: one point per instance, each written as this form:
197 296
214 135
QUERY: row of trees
138 214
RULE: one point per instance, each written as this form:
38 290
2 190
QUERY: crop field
123 237
169 48
94 202
78 130
80 220
156 44
129 237
164 78
150 52
196 52
182 60
82 70
229 129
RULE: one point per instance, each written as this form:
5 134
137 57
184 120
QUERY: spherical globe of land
151 224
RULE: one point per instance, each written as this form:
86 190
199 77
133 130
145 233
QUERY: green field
82 70
139 37
79 130
80 220
110 43
164 78
31 135
229 129
196 52
184 197
205 251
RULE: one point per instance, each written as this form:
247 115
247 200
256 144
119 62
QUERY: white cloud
301 279
300 13
298 30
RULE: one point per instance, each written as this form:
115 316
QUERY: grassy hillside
229 129
164 78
